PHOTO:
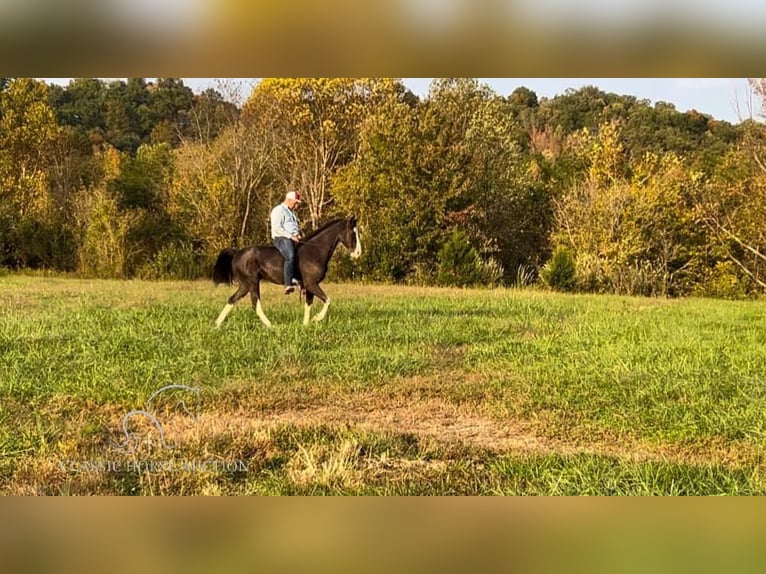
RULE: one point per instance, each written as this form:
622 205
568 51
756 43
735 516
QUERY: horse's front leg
307 307
324 299
320 316
255 295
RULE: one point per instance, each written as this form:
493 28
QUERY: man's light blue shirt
284 222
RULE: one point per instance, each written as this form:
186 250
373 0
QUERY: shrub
104 248
592 274
560 272
723 282
175 261
459 263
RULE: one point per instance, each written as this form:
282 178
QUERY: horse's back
259 262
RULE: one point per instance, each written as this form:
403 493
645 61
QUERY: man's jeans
287 248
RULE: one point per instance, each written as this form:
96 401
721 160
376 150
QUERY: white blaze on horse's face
358 249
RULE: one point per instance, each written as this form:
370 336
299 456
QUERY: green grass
615 395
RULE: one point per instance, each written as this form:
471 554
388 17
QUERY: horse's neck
330 232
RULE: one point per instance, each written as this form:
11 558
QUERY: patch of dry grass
327 451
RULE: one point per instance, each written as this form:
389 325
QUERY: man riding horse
285 233
291 260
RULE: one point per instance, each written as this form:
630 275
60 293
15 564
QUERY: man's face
292 203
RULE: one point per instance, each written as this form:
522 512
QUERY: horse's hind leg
255 295
241 292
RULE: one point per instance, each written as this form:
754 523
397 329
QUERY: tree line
587 191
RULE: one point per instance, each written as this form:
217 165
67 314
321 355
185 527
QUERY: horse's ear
352 219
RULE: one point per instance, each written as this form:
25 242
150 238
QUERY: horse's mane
322 228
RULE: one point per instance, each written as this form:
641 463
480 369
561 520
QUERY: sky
727 99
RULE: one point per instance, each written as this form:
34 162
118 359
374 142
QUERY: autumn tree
169 106
383 187
102 227
733 208
220 193
428 169
734 205
315 124
631 228
210 115
28 131
81 105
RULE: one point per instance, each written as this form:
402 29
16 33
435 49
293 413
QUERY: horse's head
349 237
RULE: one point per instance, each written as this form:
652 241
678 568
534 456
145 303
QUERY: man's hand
296 238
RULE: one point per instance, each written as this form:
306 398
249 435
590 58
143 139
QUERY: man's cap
293 195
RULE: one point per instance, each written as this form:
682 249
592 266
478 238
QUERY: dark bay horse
247 267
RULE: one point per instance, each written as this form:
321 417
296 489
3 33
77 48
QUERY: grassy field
401 391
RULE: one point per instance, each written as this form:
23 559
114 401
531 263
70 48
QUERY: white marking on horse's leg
222 316
306 313
319 316
261 315
358 249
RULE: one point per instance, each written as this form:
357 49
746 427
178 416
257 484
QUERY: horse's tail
222 271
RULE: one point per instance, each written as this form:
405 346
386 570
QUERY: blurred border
382 534
403 38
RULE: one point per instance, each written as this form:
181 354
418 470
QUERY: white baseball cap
293 195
